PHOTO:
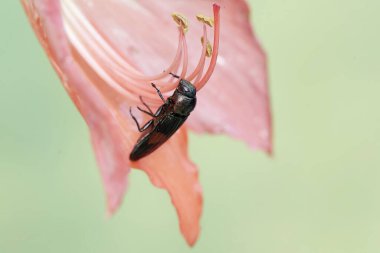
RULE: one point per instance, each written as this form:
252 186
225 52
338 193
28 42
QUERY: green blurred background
320 192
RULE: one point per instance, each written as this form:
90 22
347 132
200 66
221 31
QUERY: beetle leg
159 92
144 127
158 111
174 75
142 110
147 107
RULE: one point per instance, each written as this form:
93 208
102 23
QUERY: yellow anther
208 47
206 20
181 21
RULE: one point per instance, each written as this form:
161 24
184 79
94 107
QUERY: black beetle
166 121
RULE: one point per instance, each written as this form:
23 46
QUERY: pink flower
106 54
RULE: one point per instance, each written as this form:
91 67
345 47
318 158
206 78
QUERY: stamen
174 63
202 59
201 71
121 82
181 21
214 56
120 74
206 20
185 59
170 86
117 63
98 53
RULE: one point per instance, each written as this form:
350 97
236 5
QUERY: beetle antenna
174 75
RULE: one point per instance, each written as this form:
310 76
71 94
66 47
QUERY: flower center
121 75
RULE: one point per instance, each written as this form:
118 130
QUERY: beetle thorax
182 104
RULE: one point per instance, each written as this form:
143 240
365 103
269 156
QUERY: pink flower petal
113 132
107 136
170 168
240 76
236 99
139 35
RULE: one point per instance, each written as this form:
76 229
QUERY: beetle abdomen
161 132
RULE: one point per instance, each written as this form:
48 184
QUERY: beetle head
186 88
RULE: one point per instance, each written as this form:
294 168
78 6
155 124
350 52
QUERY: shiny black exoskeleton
166 121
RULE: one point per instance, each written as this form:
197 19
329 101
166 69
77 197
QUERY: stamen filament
214 56
172 65
202 59
185 59
121 82
200 72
